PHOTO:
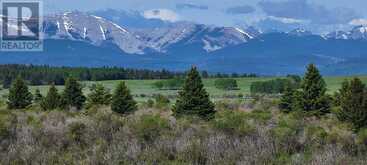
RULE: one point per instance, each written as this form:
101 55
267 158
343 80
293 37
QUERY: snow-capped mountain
100 31
338 35
208 37
92 29
357 33
300 32
80 39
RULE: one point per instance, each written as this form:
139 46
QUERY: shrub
226 84
260 115
362 137
286 133
150 103
150 127
316 135
161 101
77 132
6 119
38 96
233 122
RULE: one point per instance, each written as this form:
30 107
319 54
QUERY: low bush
77 133
316 136
150 127
161 101
286 134
233 122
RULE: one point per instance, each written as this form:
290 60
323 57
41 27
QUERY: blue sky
316 15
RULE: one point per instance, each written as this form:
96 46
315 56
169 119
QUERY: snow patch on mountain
245 33
103 32
209 47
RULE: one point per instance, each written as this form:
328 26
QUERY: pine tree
353 103
73 94
52 99
313 98
193 99
19 95
99 95
38 96
287 101
122 100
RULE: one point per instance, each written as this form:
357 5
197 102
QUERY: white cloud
357 22
163 14
287 20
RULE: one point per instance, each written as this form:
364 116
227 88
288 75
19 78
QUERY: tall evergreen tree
313 98
193 99
19 95
99 95
73 94
122 100
52 99
287 101
353 103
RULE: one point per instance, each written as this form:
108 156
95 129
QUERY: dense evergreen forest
44 75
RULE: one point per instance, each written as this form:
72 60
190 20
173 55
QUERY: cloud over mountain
162 14
303 9
182 6
245 9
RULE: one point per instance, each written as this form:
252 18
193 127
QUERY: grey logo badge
21 26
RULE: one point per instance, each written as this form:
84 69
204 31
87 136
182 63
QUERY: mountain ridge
71 36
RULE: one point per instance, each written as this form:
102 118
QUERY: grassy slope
145 86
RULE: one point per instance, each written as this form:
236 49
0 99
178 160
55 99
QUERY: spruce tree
287 100
313 98
99 95
52 99
73 94
353 103
19 95
122 100
38 96
193 99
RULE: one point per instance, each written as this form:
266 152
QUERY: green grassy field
139 87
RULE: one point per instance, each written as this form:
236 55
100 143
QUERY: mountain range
118 38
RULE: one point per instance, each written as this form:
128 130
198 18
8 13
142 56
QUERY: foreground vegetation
252 132
306 125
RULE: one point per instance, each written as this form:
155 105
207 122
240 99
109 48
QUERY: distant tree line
205 74
45 75
170 84
276 86
226 84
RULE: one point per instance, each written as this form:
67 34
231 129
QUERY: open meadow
143 89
